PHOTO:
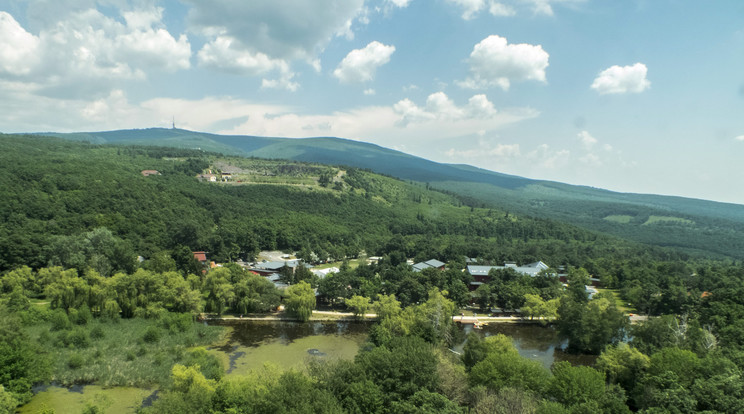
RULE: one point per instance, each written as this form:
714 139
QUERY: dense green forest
693 225
57 192
77 306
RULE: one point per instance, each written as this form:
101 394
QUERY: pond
536 342
287 344
290 345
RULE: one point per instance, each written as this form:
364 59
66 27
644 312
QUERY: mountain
713 228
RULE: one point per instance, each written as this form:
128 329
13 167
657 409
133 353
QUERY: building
147 173
433 263
481 273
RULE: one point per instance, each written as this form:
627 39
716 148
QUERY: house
481 273
208 177
433 263
322 273
270 268
147 173
201 257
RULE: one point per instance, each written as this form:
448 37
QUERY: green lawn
621 304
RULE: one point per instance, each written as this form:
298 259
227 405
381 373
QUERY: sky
643 96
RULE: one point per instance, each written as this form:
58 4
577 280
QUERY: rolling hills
693 225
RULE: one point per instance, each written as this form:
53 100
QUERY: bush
96 332
177 322
76 361
79 338
81 316
60 321
152 335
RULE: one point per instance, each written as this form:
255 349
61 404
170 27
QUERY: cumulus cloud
440 107
360 65
88 48
220 53
494 62
622 79
369 92
18 48
278 30
740 138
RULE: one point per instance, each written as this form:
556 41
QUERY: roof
200 256
433 263
531 269
150 172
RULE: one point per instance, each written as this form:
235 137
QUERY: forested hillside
711 228
57 192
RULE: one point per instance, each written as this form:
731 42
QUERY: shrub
60 321
152 335
79 338
76 361
96 332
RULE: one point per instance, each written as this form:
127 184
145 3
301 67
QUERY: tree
591 326
300 301
535 306
386 306
622 364
575 385
359 305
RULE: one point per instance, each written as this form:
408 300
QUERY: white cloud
508 8
586 139
622 79
221 53
501 9
369 92
399 3
494 62
88 50
284 82
740 138
470 7
440 107
18 48
300 30
360 65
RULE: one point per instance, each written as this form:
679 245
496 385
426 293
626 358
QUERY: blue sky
634 96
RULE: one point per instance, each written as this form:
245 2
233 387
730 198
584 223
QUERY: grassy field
622 305
667 219
622 219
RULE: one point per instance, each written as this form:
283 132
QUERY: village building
433 263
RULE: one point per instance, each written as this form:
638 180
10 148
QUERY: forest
91 248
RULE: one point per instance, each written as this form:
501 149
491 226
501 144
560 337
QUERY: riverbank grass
123 353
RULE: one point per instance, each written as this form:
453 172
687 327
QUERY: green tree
359 305
300 301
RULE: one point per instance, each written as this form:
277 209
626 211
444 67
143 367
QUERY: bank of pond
243 347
